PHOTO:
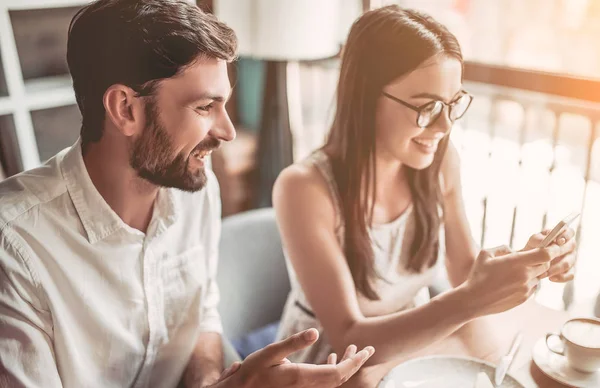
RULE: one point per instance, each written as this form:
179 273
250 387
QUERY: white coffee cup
580 339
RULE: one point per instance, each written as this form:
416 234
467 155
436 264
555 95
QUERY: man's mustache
208 144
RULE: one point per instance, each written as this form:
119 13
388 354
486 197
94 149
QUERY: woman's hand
562 269
502 279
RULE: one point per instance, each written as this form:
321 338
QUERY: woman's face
398 137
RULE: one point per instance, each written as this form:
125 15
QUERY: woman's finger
564 277
565 236
562 266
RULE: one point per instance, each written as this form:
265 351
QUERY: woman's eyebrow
436 97
428 95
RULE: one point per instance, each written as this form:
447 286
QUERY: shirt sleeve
26 352
211 319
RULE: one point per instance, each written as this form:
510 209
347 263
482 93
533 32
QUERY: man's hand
226 373
269 367
206 362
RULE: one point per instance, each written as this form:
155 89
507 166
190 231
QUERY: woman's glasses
427 114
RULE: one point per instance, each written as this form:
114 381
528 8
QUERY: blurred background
530 144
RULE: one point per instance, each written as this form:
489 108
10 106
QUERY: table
489 338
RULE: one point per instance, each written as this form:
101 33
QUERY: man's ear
124 109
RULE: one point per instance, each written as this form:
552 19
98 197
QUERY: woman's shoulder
303 185
450 170
300 176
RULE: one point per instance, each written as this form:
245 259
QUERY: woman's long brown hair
383 45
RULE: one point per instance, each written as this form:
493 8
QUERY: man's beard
152 157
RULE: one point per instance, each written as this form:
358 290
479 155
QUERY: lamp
283 32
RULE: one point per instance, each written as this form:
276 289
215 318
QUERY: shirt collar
98 218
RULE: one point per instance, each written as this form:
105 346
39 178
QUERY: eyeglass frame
418 109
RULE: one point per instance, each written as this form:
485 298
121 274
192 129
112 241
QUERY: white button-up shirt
86 300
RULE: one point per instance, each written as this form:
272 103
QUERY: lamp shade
284 30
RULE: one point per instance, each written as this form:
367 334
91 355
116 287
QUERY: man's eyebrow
209 96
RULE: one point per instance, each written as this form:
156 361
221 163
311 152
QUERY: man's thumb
274 353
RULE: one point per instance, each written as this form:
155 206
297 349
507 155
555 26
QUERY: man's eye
205 108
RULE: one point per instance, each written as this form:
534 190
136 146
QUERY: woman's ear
124 109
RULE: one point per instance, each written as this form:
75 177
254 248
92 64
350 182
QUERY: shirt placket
156 326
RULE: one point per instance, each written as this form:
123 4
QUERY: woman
366 219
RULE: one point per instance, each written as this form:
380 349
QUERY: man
108 252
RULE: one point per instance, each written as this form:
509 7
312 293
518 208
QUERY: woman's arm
461 249
498 281
306 218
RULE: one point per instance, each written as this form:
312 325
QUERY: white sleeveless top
390 254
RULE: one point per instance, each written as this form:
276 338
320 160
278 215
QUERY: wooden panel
535 81
55 129
42 33
10 157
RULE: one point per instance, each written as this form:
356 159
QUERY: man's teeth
426 143
200 155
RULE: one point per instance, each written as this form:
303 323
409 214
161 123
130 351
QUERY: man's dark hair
137 43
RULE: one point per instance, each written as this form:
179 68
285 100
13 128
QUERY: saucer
442 371
557 368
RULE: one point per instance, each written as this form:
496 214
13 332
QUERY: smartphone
558 229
